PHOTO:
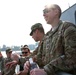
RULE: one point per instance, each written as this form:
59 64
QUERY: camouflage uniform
59 49
38 51
2 63
39 54
4 70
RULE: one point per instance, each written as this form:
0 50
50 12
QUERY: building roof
69 7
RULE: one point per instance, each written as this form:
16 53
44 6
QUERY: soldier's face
25 52
9 54
49 14
35 35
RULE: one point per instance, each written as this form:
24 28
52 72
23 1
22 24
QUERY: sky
17 17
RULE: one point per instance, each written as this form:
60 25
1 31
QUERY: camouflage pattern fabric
39 54
5 70
22 60
34 52
59 49
2 63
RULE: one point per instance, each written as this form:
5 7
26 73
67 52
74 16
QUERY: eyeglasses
24 52
45 11
10 52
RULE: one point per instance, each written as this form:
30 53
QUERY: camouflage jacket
59 48
34 52
5 70
39 54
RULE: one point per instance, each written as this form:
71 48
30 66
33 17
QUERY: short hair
58 7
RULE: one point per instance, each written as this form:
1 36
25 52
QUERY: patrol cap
34 27
8 50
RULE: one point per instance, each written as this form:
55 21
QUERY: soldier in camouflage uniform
59 46
4 69
37 33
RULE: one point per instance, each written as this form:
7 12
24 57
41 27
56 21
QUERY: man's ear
36 31
56 11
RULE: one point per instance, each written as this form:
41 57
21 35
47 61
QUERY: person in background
25 51
4 69
20 59
59 47
24 56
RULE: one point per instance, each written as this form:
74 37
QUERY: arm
11 64
38 56
15 58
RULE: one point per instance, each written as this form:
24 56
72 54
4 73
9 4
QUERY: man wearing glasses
25 53
25 50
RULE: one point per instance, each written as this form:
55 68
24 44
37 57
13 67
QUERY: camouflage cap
34 27
25 47
8 50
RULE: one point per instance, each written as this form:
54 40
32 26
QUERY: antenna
68 5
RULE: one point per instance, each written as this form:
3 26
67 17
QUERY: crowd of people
4 61
56 52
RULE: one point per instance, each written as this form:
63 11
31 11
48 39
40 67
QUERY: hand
10 64
37 71
27 66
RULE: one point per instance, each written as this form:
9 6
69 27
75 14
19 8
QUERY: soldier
37 33
24 57
59 47
4 69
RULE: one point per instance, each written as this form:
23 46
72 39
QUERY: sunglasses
45 11
24 52
9 52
